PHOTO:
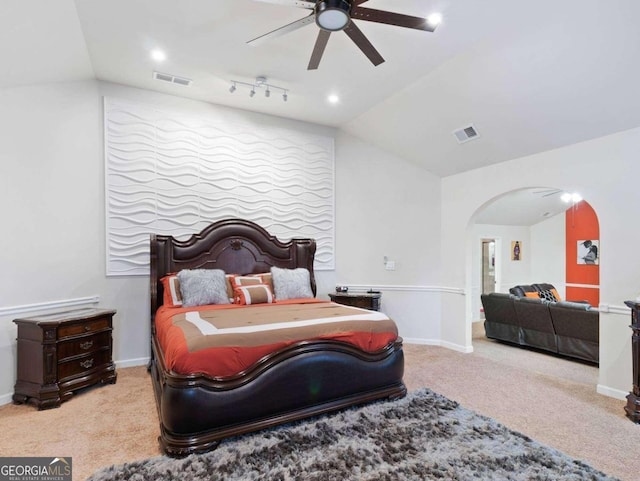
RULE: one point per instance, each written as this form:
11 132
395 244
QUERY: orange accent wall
581 224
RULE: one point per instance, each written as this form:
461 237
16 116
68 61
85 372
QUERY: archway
543 239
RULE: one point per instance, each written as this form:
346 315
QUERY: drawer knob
86 345
87 328
87 364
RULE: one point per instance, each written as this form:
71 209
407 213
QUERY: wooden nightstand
62 352
368 300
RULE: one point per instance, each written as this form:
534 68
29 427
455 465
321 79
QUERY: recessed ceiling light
158 55
434 19
333 99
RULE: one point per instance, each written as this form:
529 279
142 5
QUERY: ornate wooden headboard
236 246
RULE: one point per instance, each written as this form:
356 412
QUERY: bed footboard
306 379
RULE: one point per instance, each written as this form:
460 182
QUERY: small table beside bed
240 343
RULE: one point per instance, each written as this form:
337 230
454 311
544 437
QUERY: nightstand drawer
369 300
62 352
83 345
84 364
84 327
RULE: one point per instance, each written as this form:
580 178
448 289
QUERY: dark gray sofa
567 328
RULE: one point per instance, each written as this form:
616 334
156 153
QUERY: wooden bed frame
305 379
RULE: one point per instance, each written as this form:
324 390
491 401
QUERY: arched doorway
540 237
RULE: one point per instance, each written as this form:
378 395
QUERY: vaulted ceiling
530 76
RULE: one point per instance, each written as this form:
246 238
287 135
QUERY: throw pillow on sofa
548 295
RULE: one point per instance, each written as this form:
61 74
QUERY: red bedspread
225 340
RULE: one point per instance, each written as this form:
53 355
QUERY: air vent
466 134
165 77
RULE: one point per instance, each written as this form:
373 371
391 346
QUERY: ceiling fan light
333 15
434 19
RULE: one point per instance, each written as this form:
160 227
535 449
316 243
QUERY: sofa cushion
574 305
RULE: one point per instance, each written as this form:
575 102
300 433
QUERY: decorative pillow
245 281
547 295
556 295
291 283
200 287
172 296
229 279
265 278
256 294
532 295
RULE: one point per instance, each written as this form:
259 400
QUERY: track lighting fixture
260 83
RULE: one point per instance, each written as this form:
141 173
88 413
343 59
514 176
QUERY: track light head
232 88
267 92
285 97
252 93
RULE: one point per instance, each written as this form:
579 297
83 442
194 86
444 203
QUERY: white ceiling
525 207
530 76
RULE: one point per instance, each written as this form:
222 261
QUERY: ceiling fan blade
278 32
355 3
363 43
292 3
391 18
318 49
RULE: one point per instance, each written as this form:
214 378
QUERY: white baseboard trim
6 399
438 342
141 361
47 306
611 392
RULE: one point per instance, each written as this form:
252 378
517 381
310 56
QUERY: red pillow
172 296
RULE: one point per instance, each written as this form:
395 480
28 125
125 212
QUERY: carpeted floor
550 399
423 436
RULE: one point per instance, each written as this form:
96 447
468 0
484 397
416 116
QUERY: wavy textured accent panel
174 174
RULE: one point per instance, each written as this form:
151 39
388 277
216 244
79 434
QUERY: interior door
488 266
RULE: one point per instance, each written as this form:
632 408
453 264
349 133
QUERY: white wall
548 249
53 238
389 207
509 273
602 170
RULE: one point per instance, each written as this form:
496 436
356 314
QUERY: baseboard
141 361
438 342
611 392
6 399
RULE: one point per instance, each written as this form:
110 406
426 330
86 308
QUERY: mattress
223 341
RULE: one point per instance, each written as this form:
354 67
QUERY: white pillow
200 287
291 283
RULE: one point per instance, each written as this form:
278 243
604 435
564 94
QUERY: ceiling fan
335 15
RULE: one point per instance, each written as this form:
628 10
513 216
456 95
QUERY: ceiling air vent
466 134
172 79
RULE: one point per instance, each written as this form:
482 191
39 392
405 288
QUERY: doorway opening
488 266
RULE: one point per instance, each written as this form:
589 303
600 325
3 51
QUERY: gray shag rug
423 436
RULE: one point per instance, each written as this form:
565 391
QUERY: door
488 266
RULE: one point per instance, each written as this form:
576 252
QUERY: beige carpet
550 399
